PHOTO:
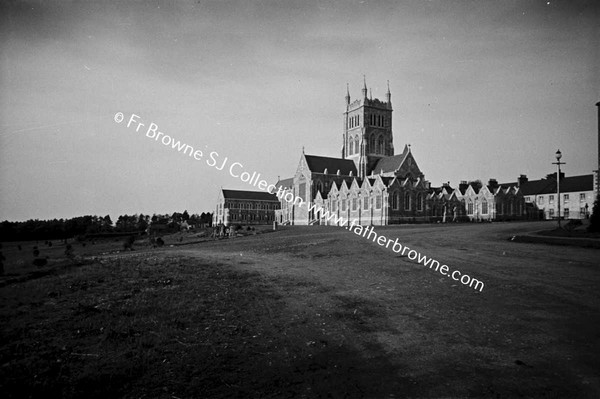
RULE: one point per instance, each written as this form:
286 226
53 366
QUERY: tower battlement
367 130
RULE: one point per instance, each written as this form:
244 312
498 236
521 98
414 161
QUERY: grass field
303 312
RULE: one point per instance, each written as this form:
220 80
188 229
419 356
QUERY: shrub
128 244
160 242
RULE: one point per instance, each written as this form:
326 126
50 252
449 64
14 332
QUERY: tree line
58 229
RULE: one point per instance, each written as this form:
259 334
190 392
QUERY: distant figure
454 211
444 214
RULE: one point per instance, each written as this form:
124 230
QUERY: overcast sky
480 89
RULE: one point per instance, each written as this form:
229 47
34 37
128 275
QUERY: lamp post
558 163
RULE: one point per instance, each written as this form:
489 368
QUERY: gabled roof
317 164
389 164
387 180
285 183
249 195
548 186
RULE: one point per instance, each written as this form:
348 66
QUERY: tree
142 222
185 216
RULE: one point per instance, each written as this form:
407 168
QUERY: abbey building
373 185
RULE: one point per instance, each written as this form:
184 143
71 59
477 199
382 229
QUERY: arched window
407 201
356 145
419 202
372 144
395 200
484 207
320 187
350 146
380 145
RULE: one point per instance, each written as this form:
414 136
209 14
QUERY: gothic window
380 145
469 208
407 201
372 144
320 187
357 120
395 198
484 207
343 205
350 146
356 146
354 203
378 202
419 202
302 191
365 203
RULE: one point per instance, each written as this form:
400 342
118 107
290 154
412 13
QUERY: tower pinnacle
388 95
347 94
364 90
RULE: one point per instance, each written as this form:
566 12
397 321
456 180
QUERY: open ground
306 312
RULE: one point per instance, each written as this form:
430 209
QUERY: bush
128 244
160 242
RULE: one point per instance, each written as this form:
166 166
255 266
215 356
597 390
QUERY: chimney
494 183
522 180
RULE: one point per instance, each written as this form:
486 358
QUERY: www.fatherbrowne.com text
236 170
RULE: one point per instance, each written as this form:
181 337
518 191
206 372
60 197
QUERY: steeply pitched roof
548 186
387 180
249 195
285 183
391 164
318 164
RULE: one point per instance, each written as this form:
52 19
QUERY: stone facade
372 186
245 207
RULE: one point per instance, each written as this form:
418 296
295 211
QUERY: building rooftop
317 164
548 186
249 195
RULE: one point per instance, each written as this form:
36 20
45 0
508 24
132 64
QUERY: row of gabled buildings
398 194
372 186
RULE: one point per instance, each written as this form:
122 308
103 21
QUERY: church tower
367 130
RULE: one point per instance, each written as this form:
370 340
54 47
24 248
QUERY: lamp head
558 155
